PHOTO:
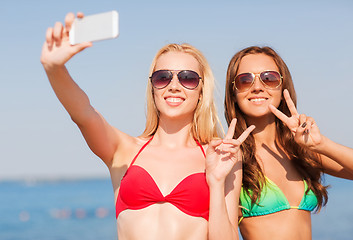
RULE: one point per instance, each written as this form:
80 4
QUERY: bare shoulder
128 148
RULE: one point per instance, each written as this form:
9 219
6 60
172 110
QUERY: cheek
238 99
277 98
156 99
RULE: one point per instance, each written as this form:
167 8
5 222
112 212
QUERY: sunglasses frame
177 72
253 80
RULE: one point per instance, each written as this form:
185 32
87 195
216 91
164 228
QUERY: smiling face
255 101
175 101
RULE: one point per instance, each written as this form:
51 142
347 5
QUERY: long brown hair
306 162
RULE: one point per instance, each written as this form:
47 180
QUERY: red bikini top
138 190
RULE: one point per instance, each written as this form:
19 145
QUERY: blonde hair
206 124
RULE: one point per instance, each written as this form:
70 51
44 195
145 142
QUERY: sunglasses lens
161 78
271 78
189 79
243 81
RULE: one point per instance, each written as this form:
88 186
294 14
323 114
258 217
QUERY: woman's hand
57 49
222 155
304 129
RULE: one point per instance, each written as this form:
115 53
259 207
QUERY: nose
174 84
257 86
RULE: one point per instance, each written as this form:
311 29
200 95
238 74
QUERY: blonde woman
159 180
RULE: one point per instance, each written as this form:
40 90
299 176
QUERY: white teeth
174 100
257 99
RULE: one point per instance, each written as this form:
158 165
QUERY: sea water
57 210
84 209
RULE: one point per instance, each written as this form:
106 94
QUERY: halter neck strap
143 147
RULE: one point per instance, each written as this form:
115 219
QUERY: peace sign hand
222 155
304 129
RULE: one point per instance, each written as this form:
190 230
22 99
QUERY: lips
258 99
174 99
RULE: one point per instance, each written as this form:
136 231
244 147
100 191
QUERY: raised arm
224 177
100 136
337 159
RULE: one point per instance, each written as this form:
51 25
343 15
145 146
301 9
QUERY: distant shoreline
34 180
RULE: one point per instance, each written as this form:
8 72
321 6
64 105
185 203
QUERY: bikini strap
143 147
240 220
203 151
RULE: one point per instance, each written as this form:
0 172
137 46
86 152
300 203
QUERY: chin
259 114
176 116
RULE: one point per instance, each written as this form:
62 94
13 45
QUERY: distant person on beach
165 187
285 156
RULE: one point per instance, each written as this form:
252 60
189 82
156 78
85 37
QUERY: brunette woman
285 156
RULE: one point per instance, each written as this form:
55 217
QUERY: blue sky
38 138
37 135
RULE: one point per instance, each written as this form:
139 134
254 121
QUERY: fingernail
306 131
304 125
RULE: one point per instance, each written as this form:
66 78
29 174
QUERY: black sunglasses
187 78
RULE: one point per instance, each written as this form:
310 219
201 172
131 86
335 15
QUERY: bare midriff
292 224
160 221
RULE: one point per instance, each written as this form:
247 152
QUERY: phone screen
95 28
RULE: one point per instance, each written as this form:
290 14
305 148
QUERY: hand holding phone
95 27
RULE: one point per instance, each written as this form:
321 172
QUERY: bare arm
224 203
337 159
100 136
224 176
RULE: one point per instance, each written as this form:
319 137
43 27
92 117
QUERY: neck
265 131
174 133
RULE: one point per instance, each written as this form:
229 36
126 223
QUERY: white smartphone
95 27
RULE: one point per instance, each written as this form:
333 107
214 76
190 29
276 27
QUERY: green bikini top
273 200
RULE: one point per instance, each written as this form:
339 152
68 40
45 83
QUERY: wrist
214 181
323 146
51 68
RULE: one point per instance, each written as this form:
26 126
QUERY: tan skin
170 150
166 158
260 107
